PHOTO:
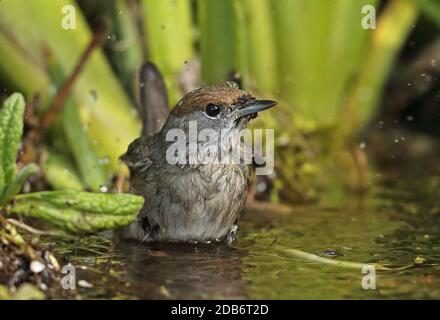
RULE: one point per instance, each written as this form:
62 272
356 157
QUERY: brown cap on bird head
219 102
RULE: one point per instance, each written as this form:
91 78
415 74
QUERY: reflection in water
183 271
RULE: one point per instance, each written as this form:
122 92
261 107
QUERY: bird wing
154 99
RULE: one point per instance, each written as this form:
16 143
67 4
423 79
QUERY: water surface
396 223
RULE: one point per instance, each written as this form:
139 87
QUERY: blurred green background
333 78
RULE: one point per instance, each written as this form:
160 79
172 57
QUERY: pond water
397 224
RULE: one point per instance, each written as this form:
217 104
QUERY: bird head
216 107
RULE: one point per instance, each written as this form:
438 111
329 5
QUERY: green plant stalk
384 44
319 46
218 40
347 43
60 173
169 35
113 124
431 9
126 50
257 39
2 183
242 47
15 69
91 170
300 58
79 212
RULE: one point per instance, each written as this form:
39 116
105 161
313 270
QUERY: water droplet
93 95
52 90
261 187
104 161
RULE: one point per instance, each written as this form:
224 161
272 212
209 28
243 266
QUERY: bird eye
212 110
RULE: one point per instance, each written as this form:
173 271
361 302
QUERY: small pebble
85 284
36 266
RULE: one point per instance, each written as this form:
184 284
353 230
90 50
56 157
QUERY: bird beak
256 106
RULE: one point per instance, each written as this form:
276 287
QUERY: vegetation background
329 73
350 98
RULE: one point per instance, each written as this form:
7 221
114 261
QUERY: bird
192 202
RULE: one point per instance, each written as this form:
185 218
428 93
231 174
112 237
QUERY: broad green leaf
13 188
107 203
11 130
80 212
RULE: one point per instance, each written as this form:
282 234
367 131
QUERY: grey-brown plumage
192 202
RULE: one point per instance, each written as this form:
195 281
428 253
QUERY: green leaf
108 203
13 188
80 212
11 130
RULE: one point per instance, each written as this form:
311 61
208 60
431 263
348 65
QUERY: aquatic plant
69 210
